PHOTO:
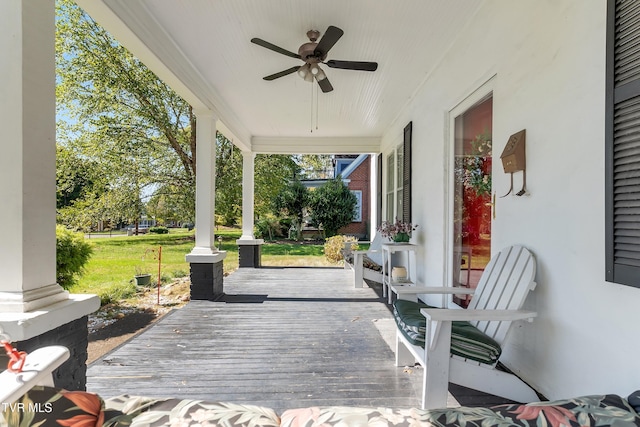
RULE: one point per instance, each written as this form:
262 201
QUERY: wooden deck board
284 338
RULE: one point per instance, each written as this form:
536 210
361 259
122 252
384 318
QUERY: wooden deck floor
283 338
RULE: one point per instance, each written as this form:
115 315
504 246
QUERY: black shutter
406 174
622 157
379 189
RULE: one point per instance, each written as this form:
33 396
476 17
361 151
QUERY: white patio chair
469 356
366 264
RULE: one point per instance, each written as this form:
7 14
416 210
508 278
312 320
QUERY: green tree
140 135
272 173
76 177
314 166
116 112
332 206
291 202
228 180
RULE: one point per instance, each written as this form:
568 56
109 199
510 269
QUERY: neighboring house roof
353 166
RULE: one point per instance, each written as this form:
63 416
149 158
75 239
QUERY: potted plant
398 231
141 278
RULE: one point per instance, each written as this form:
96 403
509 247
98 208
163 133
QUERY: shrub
334 245
179 273
268 227
117 292
159 230
291 202
72 254
332 206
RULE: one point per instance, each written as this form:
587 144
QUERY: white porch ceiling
202 49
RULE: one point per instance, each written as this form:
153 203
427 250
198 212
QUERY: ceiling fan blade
282 73
325 85
330 37
274 48
353 65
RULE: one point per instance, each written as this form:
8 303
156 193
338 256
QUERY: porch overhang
203 51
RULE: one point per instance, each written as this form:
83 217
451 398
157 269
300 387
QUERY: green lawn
115 260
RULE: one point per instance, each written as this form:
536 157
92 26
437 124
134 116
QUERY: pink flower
391 230
556 415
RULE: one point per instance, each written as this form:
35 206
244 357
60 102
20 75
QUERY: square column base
250 256
249 253
72 374
207 281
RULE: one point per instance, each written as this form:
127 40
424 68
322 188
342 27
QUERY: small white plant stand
388 249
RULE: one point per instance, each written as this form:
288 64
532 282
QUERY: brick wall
360 180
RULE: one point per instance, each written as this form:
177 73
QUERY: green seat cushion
466 340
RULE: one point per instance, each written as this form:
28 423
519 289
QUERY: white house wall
548 63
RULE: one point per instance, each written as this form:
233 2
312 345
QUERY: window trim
390 186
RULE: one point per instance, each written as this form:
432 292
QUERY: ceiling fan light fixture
320 75
304 71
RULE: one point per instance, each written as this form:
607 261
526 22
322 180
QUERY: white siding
548 58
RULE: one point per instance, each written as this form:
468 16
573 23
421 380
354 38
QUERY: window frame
398 179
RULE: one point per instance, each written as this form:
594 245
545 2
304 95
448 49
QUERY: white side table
387 250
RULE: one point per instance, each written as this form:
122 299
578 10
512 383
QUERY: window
622 142
399 180
357 214
391 187
399 175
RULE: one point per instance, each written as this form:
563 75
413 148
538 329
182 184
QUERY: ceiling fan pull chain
316 89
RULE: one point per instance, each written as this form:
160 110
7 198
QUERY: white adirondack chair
37 370
360 272
496 303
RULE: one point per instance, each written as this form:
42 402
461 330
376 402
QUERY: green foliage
291 202
76 177
314 166
268 227
228 181
272 173
334 246
332 206
134 131
159 230
116 292
72 254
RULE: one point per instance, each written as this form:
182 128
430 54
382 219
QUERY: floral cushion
45 406
147 412
339 416
588 411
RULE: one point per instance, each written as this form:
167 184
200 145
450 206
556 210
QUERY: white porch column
249 248
34 310
28 173
205 259
248 170
205 185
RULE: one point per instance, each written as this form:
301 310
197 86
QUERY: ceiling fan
312 54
